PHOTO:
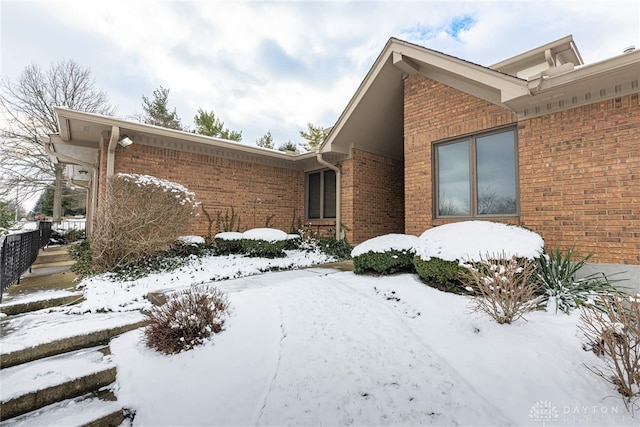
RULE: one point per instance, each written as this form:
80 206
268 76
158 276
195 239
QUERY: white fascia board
629 62
68 114
509 87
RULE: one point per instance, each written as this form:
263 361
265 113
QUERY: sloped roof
558 52
81 135
373 118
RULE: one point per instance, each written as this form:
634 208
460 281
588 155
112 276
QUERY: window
321 194
476 176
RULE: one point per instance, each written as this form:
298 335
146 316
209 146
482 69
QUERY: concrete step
86 411
64 345
12 308
53 255
45 258
31 386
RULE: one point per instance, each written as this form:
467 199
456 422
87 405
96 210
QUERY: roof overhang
374 120
558 52
556 91
82 135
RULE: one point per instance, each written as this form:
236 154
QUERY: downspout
111 150
338 191
49 150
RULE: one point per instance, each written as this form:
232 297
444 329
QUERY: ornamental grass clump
189 318
556 275
612 329
503 287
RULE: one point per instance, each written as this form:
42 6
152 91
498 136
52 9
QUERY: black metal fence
19 251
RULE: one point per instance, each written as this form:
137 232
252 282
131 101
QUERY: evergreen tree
208 124
73 202
288 146
7 215
156 110
265 141
314 136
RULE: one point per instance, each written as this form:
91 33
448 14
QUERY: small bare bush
138 216
186 320
612 329
503 287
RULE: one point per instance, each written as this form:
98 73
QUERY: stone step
19 307
86 411
31 386
64 345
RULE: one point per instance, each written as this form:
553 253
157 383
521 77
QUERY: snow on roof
470 240
388 242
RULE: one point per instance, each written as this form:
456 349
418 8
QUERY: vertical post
17 200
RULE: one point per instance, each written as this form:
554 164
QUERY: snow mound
388 242
470 240
228 235
191 240
268 234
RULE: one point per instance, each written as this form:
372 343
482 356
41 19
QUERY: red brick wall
372 196
220 184
579 169
580 179
434 112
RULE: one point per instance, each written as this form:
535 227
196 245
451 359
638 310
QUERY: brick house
540 139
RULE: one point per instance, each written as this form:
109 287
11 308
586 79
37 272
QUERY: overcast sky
278 65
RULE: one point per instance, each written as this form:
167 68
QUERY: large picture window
476 176
321 194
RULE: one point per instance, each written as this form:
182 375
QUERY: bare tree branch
27 112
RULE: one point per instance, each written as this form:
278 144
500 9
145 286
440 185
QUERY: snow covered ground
319 346
325 347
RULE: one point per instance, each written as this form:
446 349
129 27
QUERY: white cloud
278 65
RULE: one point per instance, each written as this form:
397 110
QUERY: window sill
320 222
508 219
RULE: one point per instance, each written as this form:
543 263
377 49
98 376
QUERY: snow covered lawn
321 346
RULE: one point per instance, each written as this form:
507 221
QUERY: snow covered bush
139 215
440 250
264 243
385 254
447 276
557 277
186 320
228 242
503 287
185 246
612 329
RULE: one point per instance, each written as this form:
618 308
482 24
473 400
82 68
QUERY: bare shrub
139 215
186 320
612 328
503 287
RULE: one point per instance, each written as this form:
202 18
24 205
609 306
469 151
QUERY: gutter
338 191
